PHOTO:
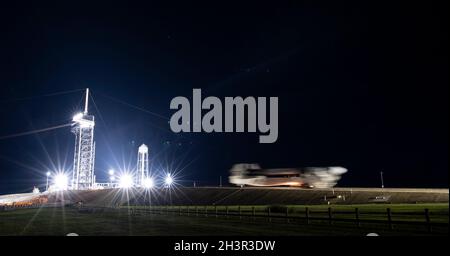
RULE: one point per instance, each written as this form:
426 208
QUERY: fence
283 214
24 206
387 218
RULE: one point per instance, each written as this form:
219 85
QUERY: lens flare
126 181
61 181
148 183
168 180
77 117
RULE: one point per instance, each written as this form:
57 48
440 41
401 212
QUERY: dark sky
364 87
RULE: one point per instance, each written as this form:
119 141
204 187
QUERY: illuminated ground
61 221
251 196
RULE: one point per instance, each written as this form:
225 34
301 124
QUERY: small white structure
36 190
142 165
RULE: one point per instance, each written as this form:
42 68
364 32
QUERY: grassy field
61 221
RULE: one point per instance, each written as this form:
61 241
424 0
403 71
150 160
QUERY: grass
61 221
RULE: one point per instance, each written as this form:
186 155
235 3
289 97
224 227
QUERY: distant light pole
220 183
382 181
46 186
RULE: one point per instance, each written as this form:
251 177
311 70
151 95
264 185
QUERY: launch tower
84 153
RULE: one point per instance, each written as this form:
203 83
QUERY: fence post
357 217
427 219
389 215
287 214
330 216
307 215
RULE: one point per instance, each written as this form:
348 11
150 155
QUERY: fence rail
28 206
329 216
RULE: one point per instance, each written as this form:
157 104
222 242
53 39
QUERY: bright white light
111 172
77 117
61 181
48 174
112 178
168 180
148 183
126 181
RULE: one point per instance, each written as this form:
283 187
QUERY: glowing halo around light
77 117
148 183
61 181
168 180
126 181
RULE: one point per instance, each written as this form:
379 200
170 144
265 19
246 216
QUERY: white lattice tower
84 153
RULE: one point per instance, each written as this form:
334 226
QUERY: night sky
363 87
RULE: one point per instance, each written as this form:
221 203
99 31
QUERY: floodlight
48 174
111 172
77 117
148 183
126 181
168 180
61 181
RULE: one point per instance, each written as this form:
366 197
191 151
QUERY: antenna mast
86 102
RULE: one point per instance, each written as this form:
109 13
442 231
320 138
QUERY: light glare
61 181
168 180
126 181
148 183
77 116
